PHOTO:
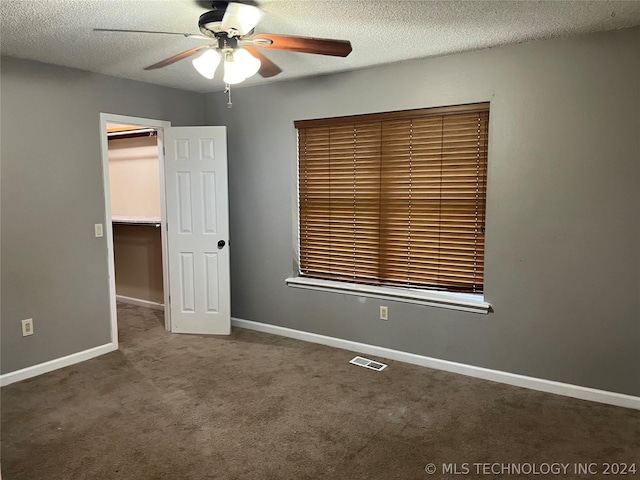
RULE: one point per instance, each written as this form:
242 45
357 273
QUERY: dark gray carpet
258 406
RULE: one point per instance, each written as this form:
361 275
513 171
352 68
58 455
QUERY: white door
198 229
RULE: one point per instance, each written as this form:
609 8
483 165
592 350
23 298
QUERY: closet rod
143 132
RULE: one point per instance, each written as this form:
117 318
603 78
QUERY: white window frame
465 302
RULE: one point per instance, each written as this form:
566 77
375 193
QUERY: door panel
197 216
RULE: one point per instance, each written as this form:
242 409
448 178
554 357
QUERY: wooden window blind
395 198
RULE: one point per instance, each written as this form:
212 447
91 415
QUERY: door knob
221 244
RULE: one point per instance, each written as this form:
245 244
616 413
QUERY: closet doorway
134 179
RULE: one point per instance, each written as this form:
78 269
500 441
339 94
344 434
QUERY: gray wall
563 222
53 269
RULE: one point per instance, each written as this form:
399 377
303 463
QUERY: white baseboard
549 386
46 367
139 302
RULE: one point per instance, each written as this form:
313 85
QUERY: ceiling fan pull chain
227 89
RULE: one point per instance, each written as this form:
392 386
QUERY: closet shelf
143 221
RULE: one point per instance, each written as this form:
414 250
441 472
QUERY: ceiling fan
231 26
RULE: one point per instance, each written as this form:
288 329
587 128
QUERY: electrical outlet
27 327
384 313
98 230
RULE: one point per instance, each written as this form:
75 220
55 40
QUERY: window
395 199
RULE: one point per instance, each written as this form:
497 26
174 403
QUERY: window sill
454 301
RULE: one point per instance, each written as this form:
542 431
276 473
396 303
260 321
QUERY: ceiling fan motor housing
230 19
210 22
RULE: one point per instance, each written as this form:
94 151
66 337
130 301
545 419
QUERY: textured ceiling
60 32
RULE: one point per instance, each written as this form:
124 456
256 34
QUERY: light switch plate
98 229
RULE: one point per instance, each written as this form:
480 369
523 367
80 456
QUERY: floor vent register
366 363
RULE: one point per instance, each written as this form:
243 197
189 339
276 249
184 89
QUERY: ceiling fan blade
240 18
319 46
175 58
267 67
187 35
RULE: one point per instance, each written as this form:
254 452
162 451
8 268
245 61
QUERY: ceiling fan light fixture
207 63
240 65
232 71
240 18
248 63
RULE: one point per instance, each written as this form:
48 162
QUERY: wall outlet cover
27 327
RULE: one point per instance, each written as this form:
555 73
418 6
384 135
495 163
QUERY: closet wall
135 207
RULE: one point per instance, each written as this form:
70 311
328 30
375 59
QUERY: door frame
159 125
